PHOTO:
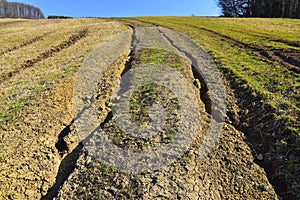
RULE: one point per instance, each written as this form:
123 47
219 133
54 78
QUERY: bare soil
31 159
30 63
42 159
228 172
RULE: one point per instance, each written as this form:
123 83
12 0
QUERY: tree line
260 8
59 17
19 10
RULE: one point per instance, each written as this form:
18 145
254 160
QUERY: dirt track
228 172
257 121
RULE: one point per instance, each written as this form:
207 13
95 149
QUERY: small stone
47 142
260 157
88 161
263 188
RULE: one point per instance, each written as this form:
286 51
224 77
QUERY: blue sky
122 8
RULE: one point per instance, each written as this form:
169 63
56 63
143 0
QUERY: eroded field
41 156
36 102
253 55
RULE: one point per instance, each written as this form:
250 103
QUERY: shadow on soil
67 165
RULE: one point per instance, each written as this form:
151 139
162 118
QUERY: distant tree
3 8
19 10
59 17
260 8
229 8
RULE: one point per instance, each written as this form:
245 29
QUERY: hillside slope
255 156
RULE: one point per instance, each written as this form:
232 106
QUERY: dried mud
265 135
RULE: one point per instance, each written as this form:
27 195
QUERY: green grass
274 83
276 33
150 93
160 57
169 137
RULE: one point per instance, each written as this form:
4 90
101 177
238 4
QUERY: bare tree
3 7
19 10
260 8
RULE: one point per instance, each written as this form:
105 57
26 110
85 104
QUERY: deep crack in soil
265 135
288 58
199 81
67 144
228 172
29 158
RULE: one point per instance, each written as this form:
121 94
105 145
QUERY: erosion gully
197 76
256 120
68 163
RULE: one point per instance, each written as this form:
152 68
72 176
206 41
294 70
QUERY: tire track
191 177
199 80
285 58
263 131
24 44
270 38
109 79
258 123
47 54
68 138
29 160
289 43
288 58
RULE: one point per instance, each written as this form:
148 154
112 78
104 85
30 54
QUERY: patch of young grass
169 137
160 57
